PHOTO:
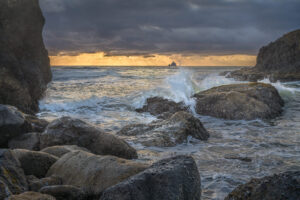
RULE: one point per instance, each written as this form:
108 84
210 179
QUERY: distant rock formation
173 64
280 60
24 63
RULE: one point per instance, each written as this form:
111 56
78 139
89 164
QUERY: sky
156 32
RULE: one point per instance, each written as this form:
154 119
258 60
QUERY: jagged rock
64 192
69 131
24 63
11 174
34 163
240 101
31 196
279 60
279 186
4 190
93 173
59 151
162 108
36 184
169 132
168 179
29 141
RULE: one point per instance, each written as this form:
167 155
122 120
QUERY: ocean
108 97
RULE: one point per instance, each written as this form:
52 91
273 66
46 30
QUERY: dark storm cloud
145 27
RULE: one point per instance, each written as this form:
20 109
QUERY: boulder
59 151
161 107
246 101
36 184
278 60
64 192
31 196
34 163
279 186
4 190
93 173
168 179
29 141
37 125
24 63
167 133
12 176
69 131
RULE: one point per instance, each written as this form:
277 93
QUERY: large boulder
279 186
69 131
169 179
240 101
24 63
29 141
31 196
59 151
161 107
279 60
34 162
169 132
93 173
12 176
64 192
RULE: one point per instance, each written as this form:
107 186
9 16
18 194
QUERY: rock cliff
24 63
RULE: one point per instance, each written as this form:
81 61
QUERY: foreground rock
169 179
69 131
31 196
64 192
12 176
29 141
93 173
24 62
282 186
59 151
240 101
35 163
166 133
36 184
162 108
279 60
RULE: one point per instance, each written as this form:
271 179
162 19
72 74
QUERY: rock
93 173
169 179
31 196
36 184
279 60
279 186
246 101
12 124
34 163
161 107
69 131
59 151
37 125
24 63
64 192
29 141
4 190
12 175
169 132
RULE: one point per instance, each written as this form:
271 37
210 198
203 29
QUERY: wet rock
37 125
31 196
64 192
24 63
12 175
240 101
279 60
69 131
93 173
168 179
279 186
36 184
162 108
34 163
59 151
29 141
169 132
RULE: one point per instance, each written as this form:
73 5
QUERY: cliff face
279 60
24 63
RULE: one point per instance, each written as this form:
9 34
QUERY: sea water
108 97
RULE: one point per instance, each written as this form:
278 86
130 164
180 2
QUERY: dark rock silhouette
173 64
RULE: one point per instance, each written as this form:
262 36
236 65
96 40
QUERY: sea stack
280 60
24 63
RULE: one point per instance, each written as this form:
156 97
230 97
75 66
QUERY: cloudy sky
192 32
